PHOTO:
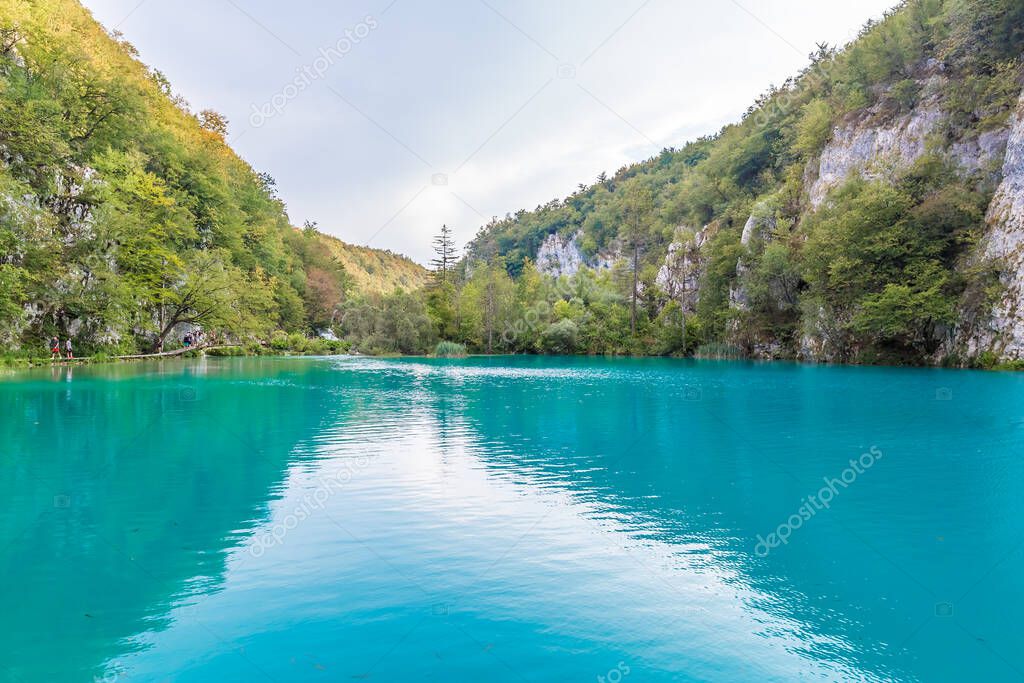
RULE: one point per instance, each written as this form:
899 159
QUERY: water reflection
512 519
124 486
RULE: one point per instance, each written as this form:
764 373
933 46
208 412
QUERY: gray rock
874 150
685 263
559 256
1003 332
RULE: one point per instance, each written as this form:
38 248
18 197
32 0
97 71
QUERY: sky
382 119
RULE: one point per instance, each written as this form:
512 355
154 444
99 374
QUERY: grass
717 351
447 349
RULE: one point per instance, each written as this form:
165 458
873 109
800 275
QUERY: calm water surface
512 519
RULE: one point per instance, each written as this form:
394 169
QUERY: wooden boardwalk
169 354
144 356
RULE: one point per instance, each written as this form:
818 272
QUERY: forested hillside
126 218
869 209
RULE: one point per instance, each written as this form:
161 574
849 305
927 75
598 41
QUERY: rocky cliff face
756 232
558 256
878 145
1003 332
685 263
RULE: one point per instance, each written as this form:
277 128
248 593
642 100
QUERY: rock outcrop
1003 333
756 231
879 145
874 146
559 255
679 277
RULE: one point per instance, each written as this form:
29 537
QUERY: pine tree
444 248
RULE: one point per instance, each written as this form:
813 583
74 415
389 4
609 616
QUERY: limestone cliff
879 145
1003 331
558 256
685 263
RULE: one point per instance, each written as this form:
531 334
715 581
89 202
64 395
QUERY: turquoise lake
510 519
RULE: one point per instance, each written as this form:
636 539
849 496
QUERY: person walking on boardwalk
69 354
55 349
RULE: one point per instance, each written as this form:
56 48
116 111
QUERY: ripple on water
502 520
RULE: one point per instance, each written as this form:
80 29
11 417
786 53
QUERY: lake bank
10 362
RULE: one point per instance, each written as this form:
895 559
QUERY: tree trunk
632 313
490 313
682 324
158 344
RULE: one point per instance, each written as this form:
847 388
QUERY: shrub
279 341
226 351
297 342
560 337
986 360
448 349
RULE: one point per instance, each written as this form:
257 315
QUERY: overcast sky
382 119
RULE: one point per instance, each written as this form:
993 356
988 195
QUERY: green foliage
486 306
448 349
383 324
124 217
671 331
12 293
813 128
907 314
560 337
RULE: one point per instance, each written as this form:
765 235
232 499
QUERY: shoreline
15 363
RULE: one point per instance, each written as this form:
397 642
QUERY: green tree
203 294
444 255
637 213
487 305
